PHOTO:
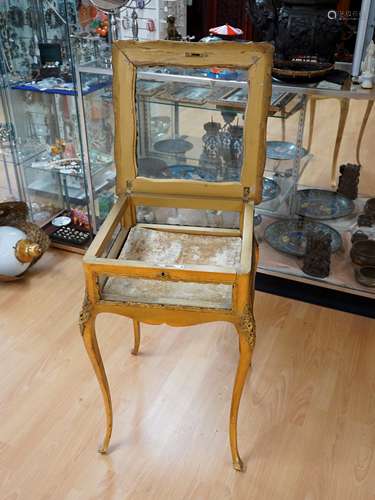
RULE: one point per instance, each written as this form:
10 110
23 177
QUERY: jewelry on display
61 221
53 18
16 17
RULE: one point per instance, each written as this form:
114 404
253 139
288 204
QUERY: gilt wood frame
255 58
100 261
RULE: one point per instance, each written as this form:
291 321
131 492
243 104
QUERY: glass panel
188 217
45 190
99 124
177 142
47 149
168 292
165 249
9 187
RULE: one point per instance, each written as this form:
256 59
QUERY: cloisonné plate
322 204
283 150
188 172
270 189
289 236
173 146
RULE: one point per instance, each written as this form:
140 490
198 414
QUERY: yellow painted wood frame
101 260
254 58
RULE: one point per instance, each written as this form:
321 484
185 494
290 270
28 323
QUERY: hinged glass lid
191 118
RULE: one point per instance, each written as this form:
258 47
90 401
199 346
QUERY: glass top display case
190 127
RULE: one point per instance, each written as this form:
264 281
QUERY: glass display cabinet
96 113
191 115
37 41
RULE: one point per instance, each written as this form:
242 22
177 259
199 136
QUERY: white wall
158 11
150 12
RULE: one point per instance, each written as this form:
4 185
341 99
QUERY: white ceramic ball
9 264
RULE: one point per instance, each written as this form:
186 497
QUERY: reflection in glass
175 141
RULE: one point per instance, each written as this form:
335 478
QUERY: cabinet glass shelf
44 88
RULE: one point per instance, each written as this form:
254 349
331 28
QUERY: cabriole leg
246 332
344 110
366 116
137 336
312 101
87 327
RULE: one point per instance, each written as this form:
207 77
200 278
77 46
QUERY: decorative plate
61 221
282 150
173 146
322 204
270 189
289 236
188 172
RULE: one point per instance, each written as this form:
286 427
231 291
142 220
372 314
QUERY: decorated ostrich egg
16 251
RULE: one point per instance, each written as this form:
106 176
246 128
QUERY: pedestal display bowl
283 150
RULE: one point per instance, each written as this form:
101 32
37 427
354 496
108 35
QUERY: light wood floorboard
307 420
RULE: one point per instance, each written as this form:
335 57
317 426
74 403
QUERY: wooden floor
307 420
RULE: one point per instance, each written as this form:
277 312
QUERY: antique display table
178 272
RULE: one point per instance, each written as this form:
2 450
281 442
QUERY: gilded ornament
85 313
247 326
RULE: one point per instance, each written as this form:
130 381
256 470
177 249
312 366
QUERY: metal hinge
129 187
246 194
